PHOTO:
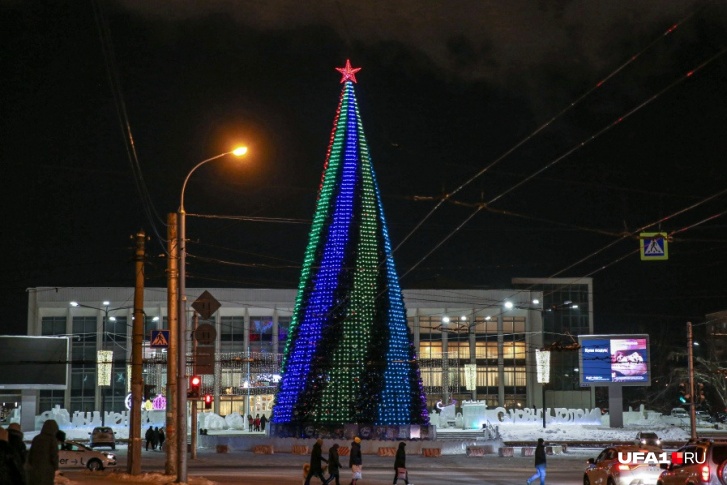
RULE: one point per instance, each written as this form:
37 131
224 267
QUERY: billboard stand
614 361
28 409
615 406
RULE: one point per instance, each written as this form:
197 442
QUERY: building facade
567 312
471 344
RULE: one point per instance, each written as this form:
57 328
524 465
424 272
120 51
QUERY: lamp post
182 330
104 358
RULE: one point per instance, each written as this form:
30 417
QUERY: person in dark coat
18 454
149 437
61 437
400 462
316 457
5 459
355 457
334 464
162 437
539 463
155 438
263 422
43 455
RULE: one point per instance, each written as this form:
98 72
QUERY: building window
116 331
232 329
430 350
149 325
49 399
53 326
283 327
84 329
261 334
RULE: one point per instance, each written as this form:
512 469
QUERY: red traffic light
194 384
208 401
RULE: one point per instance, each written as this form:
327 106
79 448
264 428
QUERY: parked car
647 438
679 413
75 455
102 436
709 466
703 417
607 469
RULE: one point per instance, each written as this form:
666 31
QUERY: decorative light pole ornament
104 361
542 358
159 403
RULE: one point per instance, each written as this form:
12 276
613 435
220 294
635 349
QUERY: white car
606 469
76 455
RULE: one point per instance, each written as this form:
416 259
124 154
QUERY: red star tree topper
348 73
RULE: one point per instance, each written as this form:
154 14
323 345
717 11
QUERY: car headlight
110 456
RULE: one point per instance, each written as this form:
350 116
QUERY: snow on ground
516 432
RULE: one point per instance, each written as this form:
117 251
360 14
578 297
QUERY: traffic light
208 401
195 382
683 394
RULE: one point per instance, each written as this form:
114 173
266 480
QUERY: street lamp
104 358
182 322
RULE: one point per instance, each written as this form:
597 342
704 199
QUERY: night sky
445 90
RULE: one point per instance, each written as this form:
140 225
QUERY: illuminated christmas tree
349 357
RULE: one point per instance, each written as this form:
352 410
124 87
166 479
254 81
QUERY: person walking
316 457
334 464
355 462
400 464
155 438
162 437
18 454
263 422
43 455
539 463
249 422
257 422
149 437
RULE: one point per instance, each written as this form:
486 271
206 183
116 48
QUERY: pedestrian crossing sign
159 339
654 246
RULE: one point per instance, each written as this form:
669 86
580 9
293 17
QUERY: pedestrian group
315 467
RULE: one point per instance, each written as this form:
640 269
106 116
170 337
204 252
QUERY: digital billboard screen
614 360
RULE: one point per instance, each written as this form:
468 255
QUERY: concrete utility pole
182 349
133 465
690 364
172 316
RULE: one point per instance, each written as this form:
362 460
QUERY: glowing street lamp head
239 151
74 303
